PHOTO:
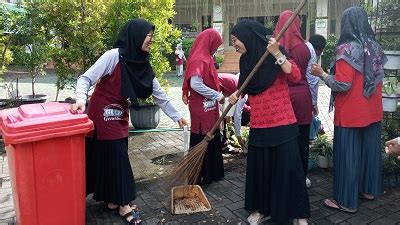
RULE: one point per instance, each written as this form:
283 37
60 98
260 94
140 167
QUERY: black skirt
109 173
213 164
275 182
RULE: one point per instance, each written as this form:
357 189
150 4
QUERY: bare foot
367 196
112 206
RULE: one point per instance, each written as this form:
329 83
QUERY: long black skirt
275 182
109 173
213 164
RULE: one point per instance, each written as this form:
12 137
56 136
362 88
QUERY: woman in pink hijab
300 95
202 88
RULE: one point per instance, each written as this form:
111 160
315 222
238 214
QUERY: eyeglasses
150 35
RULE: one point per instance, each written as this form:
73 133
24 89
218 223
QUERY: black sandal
113 210
136 217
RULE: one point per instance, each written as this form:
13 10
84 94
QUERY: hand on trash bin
78 107
182 122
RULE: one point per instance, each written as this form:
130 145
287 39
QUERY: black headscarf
358 47
136 72
253 35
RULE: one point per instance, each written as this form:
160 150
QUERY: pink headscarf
292 36
200 60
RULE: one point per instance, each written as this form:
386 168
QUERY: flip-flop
338 206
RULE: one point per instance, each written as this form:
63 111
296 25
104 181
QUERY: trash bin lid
34 122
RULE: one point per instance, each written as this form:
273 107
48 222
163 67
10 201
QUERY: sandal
111 210
255 218
332 204
136 217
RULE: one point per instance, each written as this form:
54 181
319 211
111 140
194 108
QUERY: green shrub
329 52
321 146
219 58
390 86
187 44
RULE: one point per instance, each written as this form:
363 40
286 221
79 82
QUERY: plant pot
393 62
147 117
389 103
312 164
322 161
30 99
330 163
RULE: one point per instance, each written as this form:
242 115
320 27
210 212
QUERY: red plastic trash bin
46 157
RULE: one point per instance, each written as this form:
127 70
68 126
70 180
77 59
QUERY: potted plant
147 116
219 59
390 90
321 150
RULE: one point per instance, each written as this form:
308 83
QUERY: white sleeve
197 84
312 80
237 116
164 102
103 66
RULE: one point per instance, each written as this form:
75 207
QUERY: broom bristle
188 169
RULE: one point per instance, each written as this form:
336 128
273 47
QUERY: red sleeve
344 72
295 75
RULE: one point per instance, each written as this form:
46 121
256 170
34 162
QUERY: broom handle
256 67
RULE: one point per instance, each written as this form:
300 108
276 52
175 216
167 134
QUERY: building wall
194 14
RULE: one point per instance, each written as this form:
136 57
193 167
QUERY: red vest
108 109
203 112
178 60
300 92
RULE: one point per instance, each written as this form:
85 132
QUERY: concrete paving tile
371 213
385 220
360 219
314 197
236 205
323 222
232 196
338 217
7 213
226 213
242 214
320 214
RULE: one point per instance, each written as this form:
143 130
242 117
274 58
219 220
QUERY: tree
29 41
76 29
5 53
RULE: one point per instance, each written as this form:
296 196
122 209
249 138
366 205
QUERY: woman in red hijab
300 95
201 81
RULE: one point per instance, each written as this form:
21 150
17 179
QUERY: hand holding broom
189 168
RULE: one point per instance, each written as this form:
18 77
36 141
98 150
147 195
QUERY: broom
189 167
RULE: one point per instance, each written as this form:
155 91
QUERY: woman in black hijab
120 74
275 182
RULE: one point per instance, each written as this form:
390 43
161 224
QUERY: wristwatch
280 60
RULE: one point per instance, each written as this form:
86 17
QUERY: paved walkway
152 155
